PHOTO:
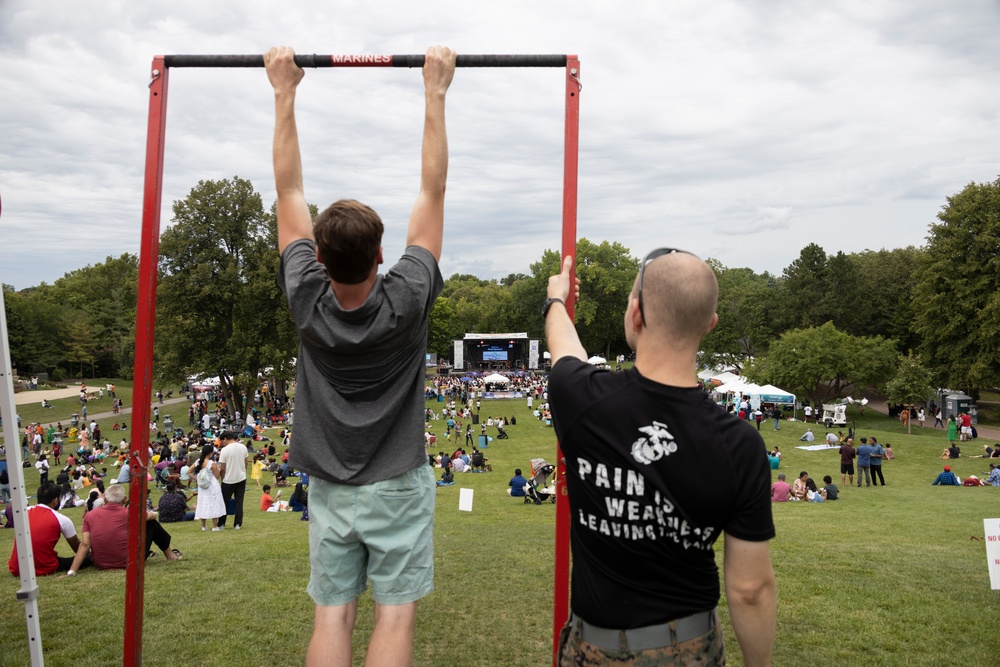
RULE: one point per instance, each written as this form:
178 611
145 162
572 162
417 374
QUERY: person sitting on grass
832 492
808 436
447 478
799 486
516 485
813 494
105 535
47 525
299 499
994 478
479 462
946 478
173 505
972 480
266 500
780 491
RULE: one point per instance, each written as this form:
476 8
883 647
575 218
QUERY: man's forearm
561 336
288 172
434 151
81 553
426 227
754 622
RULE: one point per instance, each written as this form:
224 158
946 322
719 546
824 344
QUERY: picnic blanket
816 448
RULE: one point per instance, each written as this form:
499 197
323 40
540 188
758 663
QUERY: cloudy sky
739 130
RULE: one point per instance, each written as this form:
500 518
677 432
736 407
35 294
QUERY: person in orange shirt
266 500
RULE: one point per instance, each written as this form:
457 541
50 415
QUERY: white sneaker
236 527
216 530
204 528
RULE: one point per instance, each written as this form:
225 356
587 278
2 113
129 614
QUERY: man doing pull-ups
360 378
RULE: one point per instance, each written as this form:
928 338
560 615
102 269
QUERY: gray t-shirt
359 401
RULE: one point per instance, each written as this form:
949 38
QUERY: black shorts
846 468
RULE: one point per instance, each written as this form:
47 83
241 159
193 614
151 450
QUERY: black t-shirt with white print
655 474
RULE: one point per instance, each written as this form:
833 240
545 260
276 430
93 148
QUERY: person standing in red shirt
966 422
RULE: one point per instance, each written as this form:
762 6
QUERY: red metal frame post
571 149
142 393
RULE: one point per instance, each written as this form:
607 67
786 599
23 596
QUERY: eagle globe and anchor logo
655 443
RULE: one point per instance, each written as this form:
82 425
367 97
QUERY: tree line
828 323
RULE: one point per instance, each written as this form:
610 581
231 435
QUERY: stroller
538 489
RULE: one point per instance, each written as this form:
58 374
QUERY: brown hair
348 237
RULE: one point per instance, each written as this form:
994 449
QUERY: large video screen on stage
495 353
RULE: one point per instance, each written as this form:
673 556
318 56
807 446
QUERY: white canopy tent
717 377
595 360
496 377
758 394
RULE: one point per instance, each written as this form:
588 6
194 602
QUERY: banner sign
992 529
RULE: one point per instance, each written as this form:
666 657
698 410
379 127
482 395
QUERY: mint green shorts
382 531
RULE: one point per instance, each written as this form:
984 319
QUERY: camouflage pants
704 650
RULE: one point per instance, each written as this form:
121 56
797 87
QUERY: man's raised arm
294 221
427 217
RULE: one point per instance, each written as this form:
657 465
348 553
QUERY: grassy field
63 408
884 576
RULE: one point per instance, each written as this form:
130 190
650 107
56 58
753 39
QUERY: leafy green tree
105 295
747 305
888 294
804 290
911 383
821 363
220 312
79 341
607 272
958 313
35 327
842 294
443 327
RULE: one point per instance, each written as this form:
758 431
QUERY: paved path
179 419
986 433
28 396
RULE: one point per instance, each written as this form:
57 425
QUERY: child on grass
266 500
832 492
813 494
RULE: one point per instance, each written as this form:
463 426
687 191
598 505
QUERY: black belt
650 636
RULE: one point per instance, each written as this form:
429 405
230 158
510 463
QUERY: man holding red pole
639 446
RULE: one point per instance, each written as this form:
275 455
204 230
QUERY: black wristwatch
548 304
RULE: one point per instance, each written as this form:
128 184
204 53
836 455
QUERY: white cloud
739 130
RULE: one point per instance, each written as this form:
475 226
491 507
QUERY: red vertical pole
143 373
571 150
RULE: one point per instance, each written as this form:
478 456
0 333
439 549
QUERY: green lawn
886 576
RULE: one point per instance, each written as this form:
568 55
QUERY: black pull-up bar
461 60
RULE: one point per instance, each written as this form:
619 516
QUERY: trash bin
475 417
440 398
484 441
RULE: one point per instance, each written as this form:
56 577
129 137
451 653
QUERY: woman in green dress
952 430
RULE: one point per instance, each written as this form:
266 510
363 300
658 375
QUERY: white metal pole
28 593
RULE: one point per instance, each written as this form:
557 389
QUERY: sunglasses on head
659 252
